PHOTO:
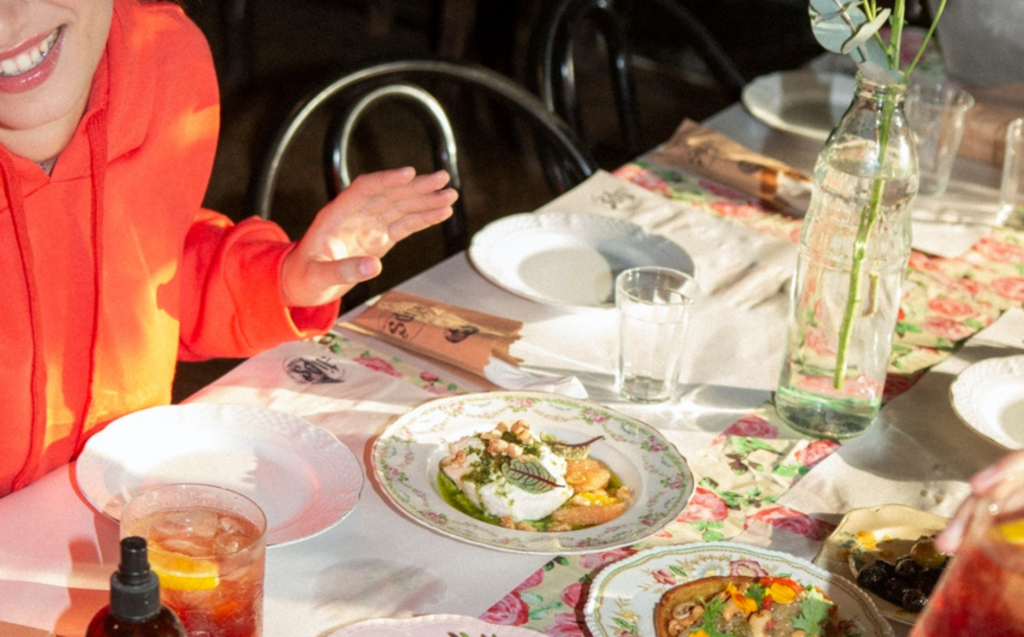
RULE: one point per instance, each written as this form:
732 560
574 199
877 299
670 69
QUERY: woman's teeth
30 59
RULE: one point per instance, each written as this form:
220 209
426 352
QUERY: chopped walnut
559 526
497 447
521 430
494 434
525 526
514 451
458 459
579 500
507 522
623 493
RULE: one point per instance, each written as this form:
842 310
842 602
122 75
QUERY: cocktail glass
207 546
981 592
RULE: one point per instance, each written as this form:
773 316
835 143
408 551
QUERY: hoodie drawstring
97 131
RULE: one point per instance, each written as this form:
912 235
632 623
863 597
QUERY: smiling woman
111 267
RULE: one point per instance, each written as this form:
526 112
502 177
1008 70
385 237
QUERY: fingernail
367 268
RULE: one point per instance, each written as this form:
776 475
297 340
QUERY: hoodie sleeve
237 307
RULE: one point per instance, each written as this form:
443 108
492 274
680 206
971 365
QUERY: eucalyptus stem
868 220
927 37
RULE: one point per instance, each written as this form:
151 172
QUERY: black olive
913 600
907 568
872 576
892 590
926 580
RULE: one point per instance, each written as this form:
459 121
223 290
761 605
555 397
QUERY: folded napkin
467 340
984 135
710 154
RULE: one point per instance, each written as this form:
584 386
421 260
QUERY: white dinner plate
989 397
302 476
568 259
431 626
407 456
804 102
624 593
867 534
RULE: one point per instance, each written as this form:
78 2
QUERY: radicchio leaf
569 451
529 475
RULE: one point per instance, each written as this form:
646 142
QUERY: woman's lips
21 71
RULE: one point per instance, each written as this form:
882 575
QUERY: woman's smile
29 65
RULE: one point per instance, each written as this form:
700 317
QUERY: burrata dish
510 477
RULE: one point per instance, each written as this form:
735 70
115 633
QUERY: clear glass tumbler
654 309
207 546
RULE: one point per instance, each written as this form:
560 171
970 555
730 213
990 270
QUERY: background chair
559 36
456 106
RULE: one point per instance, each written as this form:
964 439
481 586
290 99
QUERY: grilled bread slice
746 607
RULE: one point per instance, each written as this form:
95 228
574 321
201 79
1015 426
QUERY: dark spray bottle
135 609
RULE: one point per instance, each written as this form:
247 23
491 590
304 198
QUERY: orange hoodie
111 268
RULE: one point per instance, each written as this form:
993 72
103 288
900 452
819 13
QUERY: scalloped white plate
303 477
623 594
431 626
989 397
407 456
892 530
568 259
804 102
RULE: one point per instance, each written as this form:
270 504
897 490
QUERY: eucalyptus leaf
845 28
866 31
529 475
834 23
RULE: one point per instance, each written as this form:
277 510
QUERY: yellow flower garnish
745 604
700 633
781 593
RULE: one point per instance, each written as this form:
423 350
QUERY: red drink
209 556
981 592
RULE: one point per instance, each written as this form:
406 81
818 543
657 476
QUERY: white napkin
509 376
744 266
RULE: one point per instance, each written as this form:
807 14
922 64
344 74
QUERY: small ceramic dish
884 532
989 397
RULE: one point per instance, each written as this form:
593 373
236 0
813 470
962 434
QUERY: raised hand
344 244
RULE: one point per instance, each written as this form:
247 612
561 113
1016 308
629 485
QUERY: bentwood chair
449 98
557 37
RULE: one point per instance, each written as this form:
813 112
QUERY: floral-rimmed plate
406 460
431 626
624 594
989 397
882 532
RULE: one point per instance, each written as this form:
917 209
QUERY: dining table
756 482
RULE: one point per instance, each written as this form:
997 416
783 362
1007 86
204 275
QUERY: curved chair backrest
551 69
553 73
399 78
